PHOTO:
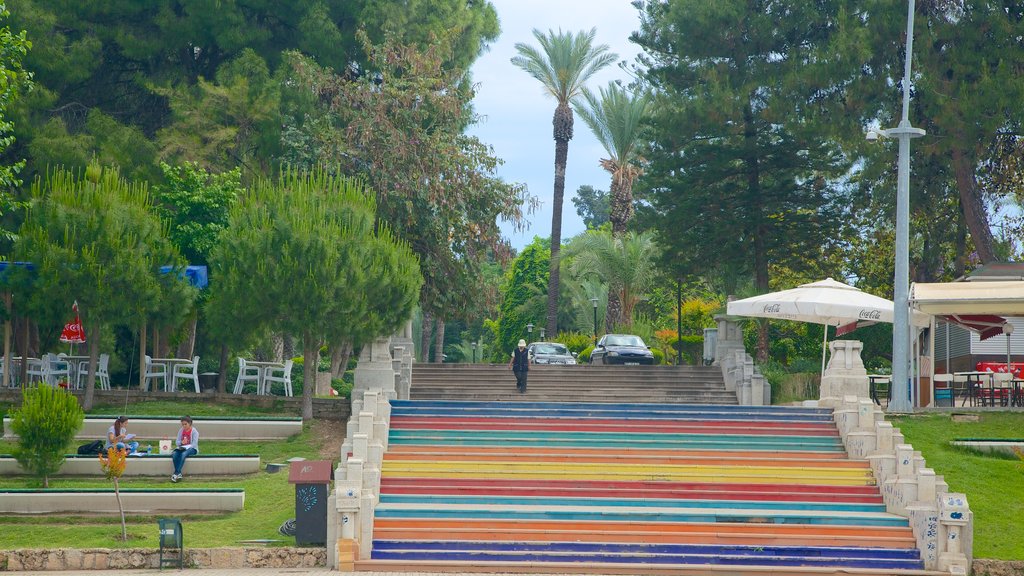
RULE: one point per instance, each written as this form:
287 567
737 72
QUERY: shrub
584 357
659 356
575 341
46 423
693 349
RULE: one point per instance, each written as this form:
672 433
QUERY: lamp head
872 135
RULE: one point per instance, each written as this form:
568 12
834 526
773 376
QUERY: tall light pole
900 401
473 345
529 331
594 302
542 333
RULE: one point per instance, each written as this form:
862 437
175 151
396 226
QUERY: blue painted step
681 412
634 548
618 502
705 409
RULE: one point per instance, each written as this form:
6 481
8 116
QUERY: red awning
985 325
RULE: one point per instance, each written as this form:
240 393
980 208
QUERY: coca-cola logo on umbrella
73 332
772 308
870 315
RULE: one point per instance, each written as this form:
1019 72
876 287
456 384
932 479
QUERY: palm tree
563 65
625 263
615 119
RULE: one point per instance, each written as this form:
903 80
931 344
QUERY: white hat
522 343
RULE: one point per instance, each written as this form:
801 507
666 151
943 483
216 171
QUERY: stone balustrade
941 520
745 379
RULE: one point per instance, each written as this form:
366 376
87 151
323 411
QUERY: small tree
113 464
48 419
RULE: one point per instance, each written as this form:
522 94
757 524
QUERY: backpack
91 448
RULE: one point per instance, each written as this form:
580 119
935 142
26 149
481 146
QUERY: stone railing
745 379
942 521
379 379
62 559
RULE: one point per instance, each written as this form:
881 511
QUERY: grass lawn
269 501
994 485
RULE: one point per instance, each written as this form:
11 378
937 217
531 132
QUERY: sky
515 113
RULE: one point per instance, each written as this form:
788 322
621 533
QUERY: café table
880 383
73 362
169 384
975 381
262 368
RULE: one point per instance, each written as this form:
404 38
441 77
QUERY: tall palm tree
615 117
563 65
625 263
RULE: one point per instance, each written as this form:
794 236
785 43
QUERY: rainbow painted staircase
628 489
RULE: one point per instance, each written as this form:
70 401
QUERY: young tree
301 255
626 264
592 205
47 420
95 239
563 65
113 464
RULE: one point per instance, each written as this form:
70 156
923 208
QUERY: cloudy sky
516 113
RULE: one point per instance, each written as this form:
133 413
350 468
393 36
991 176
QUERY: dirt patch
331 434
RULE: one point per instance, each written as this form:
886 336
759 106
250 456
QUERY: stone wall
136 558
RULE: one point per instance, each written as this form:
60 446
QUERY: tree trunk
340 353
94 353
562 131
156 342
23 347
142 357
760 255
120 509
222 375
9 306
621 209
310 359
973 207
438 340
613 313
287 346
188 343
277 347
426 335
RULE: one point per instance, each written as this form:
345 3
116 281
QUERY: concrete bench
134 500
155 465
149 429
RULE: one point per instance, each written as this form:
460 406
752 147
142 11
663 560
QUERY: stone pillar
730 338
883 460
955 519
845 374
847 415
374 372
342 549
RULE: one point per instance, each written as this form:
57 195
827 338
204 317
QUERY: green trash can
172 549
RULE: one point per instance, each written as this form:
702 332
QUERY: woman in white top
118 436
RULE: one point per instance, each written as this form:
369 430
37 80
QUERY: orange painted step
521 451
608 457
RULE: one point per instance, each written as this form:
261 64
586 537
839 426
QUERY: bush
659 356
584 357
693 349
575 341
46 422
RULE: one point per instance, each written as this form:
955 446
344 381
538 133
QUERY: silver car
550 353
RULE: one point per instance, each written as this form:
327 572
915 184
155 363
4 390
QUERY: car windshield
551 349
624 341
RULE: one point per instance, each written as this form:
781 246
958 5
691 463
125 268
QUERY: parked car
621 349
550 353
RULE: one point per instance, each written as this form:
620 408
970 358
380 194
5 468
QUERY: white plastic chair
246 374
188 371
155 370
13 382
285 377
102 372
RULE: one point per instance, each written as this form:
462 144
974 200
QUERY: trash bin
208 382
312 479
171 542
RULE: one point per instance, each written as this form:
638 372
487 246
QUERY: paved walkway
237 572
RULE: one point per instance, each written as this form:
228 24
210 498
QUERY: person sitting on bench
187 444
119 438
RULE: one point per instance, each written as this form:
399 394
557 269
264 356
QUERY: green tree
526 277
47 420
402 129
742 173
626 264
195 203
563 64
95 239
592 205
14 80
301 256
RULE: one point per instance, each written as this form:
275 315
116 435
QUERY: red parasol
73 332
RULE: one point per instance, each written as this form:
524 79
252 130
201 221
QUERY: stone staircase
595 384
594 488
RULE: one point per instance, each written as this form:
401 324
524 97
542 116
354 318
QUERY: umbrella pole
824 347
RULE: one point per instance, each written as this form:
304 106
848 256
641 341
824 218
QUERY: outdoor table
169 384
975 380
261 370
875 380
73 367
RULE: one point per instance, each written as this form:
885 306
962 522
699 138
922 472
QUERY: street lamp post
594 302
529 331
473 346
901 278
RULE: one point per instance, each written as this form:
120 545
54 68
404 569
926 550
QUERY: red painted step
582 452
519 453
604 425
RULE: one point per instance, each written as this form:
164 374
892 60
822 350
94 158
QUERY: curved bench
153 428
1008 446
134 500
155 465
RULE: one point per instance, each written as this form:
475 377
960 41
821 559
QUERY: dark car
621 349
550 353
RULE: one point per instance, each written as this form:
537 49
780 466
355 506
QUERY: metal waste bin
171 542
312 479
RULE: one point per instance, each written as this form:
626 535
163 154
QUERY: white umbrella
824 302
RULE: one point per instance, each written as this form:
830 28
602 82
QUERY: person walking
187 445
520 365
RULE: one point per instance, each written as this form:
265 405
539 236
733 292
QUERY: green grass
197 407
994 485
269 501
